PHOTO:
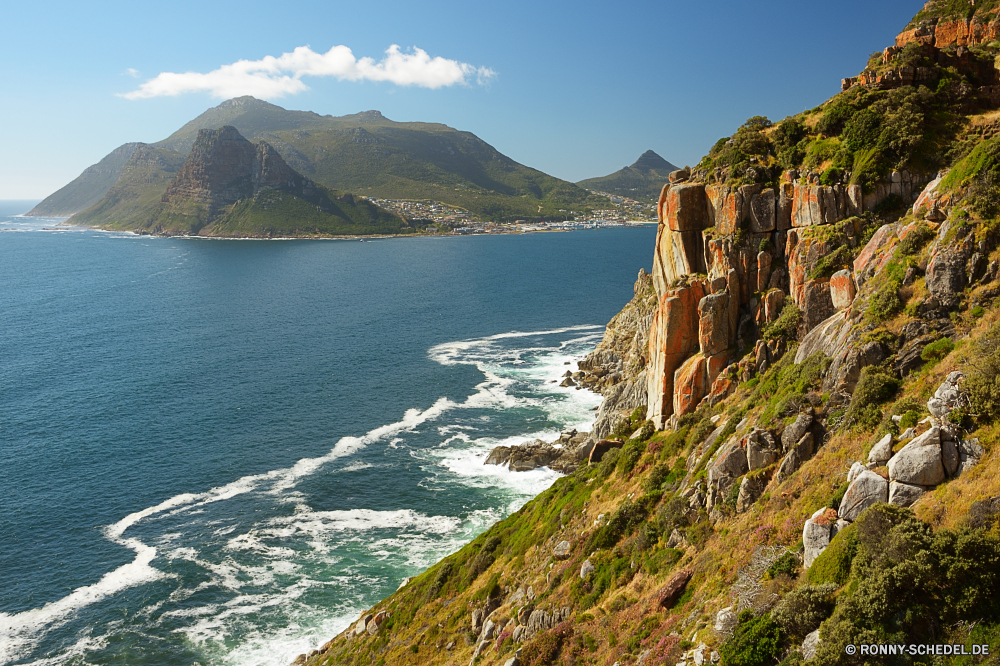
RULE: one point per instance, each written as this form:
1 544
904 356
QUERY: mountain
371 155
796 457
228 186
643 180
89 187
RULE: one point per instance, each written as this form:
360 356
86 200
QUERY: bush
915 240
608 463
909 419
885 302
787 323
804 608
628 515
656 477
485 558
982 375
937 350
831 263
544 648
444 571
755 642
698 433
673 514
787 564
630 455
834 564
874 388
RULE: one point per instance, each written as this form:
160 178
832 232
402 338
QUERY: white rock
725 620
810 644
904 494
561 551
816 538
867 488
856 469
919 462
948 396
882 450
949 457
587 569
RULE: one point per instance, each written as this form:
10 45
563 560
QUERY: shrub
874 388
755 642
982 375
915 240
699 432
885 302
937 350
608 463
787 564
544 648
630 455
444 571
830 177
831 263
646 431
909 419
977 311
673 514
834 564
628 515
787 323
654 480
802 609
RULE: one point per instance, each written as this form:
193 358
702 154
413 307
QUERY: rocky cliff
228 186
815 470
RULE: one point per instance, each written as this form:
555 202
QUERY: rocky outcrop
866 489
564 455
224 168
674 588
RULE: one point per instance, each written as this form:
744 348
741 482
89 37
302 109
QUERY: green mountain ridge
643 180
370 155
228 186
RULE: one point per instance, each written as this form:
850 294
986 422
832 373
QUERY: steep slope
374 156
816 474
642 180
229 186
88 188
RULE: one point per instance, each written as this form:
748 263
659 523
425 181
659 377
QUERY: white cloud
131 71
271 77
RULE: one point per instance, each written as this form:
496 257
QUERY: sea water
221 452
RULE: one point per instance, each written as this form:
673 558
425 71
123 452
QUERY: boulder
816 535
587 569
945 277
362 624
867 489
714 330
677 540
809 645
731 461
686 207
690 385
855 470
882 451
904 494
602 447
948 397
562 550
919 462
949 457
672 591
377 621
813 298
800 453
751 489
969 453
794 432
725 621
762 450
763 211
774 301
842 289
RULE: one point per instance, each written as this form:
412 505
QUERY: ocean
221 452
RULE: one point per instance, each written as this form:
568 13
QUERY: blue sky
574 89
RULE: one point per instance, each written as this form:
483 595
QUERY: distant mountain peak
247 101
650 161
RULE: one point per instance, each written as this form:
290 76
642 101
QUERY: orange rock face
842 289
727 208
690 384
686 207
673 336
677 254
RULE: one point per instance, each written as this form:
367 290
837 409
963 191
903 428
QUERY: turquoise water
220 452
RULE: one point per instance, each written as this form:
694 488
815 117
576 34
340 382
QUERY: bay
220 452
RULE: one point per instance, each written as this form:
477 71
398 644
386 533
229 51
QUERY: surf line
20 630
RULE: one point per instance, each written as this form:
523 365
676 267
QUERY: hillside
228 186
89 187
812 468
643 180
370 155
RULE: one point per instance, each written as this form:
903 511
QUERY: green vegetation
781 390
787 323
756 641
982 375
875 387
937 350
641 181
